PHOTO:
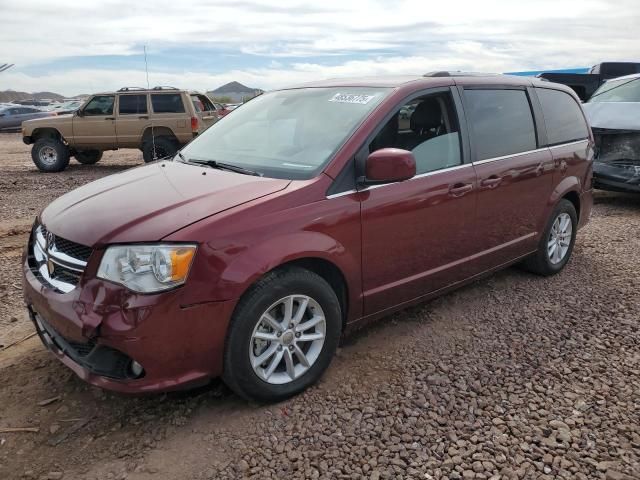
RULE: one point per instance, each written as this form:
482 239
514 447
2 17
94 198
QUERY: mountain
11 95
236 91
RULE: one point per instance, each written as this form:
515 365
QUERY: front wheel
88 157
282 336
556 244
50 155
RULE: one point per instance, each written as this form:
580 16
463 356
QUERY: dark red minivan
308 211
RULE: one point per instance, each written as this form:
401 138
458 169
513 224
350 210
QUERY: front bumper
27 139
98 329
620 176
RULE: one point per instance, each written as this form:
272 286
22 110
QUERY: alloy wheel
559 238
288 339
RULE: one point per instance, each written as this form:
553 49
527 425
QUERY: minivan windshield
289 134
622 90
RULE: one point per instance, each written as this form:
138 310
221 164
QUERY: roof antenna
153 135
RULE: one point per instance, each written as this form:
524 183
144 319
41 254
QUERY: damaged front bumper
617 165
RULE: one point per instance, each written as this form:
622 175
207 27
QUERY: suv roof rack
457 73
164 87
127 89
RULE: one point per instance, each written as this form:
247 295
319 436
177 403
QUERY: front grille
55 261
70 248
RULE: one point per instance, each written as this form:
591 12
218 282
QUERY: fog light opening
136 369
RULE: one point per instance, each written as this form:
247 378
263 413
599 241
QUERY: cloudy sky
75 47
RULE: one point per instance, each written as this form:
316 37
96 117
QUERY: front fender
221 275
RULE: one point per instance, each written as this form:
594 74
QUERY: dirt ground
514 377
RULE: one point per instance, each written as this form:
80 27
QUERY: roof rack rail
164 87
127 89
457 73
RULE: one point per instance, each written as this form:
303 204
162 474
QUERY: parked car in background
232 106
157 121
308 211
614 114
585 84
64 108
221 109
12 116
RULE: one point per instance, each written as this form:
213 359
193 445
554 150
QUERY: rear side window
167 103
562 116
501 122
132 104
202 103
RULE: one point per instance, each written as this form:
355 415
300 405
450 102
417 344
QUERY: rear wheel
282 336
160 147
50 155
556 244
88 157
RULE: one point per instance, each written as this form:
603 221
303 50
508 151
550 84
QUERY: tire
549 260
164 147
50 155
88 157
242 347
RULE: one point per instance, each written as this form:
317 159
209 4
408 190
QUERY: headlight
147 268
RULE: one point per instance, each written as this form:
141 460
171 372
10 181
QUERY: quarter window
562 116
427 127
99 105
167 103
501 122
132 104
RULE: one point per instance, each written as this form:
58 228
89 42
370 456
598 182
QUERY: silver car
11 117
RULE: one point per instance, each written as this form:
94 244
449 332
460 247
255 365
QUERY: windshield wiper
220 165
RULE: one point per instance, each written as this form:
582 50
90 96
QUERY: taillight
194 124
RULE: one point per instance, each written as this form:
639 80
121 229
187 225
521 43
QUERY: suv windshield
288 134
622 90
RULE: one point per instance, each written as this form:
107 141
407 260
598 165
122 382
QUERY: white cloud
417 36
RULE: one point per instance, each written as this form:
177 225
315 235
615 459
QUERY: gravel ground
514 377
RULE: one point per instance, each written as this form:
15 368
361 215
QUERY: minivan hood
148 203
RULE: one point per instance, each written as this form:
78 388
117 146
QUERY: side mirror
79 113
388 165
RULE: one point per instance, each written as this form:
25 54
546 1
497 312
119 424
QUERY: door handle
109 118
491 182
459 189
143 117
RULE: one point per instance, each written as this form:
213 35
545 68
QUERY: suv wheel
557 241
50 155
282 336
88 157
164 147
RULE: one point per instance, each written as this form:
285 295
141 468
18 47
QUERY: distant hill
11 95
235 91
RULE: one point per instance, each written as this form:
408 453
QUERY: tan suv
158 121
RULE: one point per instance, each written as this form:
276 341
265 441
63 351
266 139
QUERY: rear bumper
98 329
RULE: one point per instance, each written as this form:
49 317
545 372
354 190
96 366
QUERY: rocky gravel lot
514 377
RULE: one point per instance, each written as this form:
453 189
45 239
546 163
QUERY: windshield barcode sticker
351 98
